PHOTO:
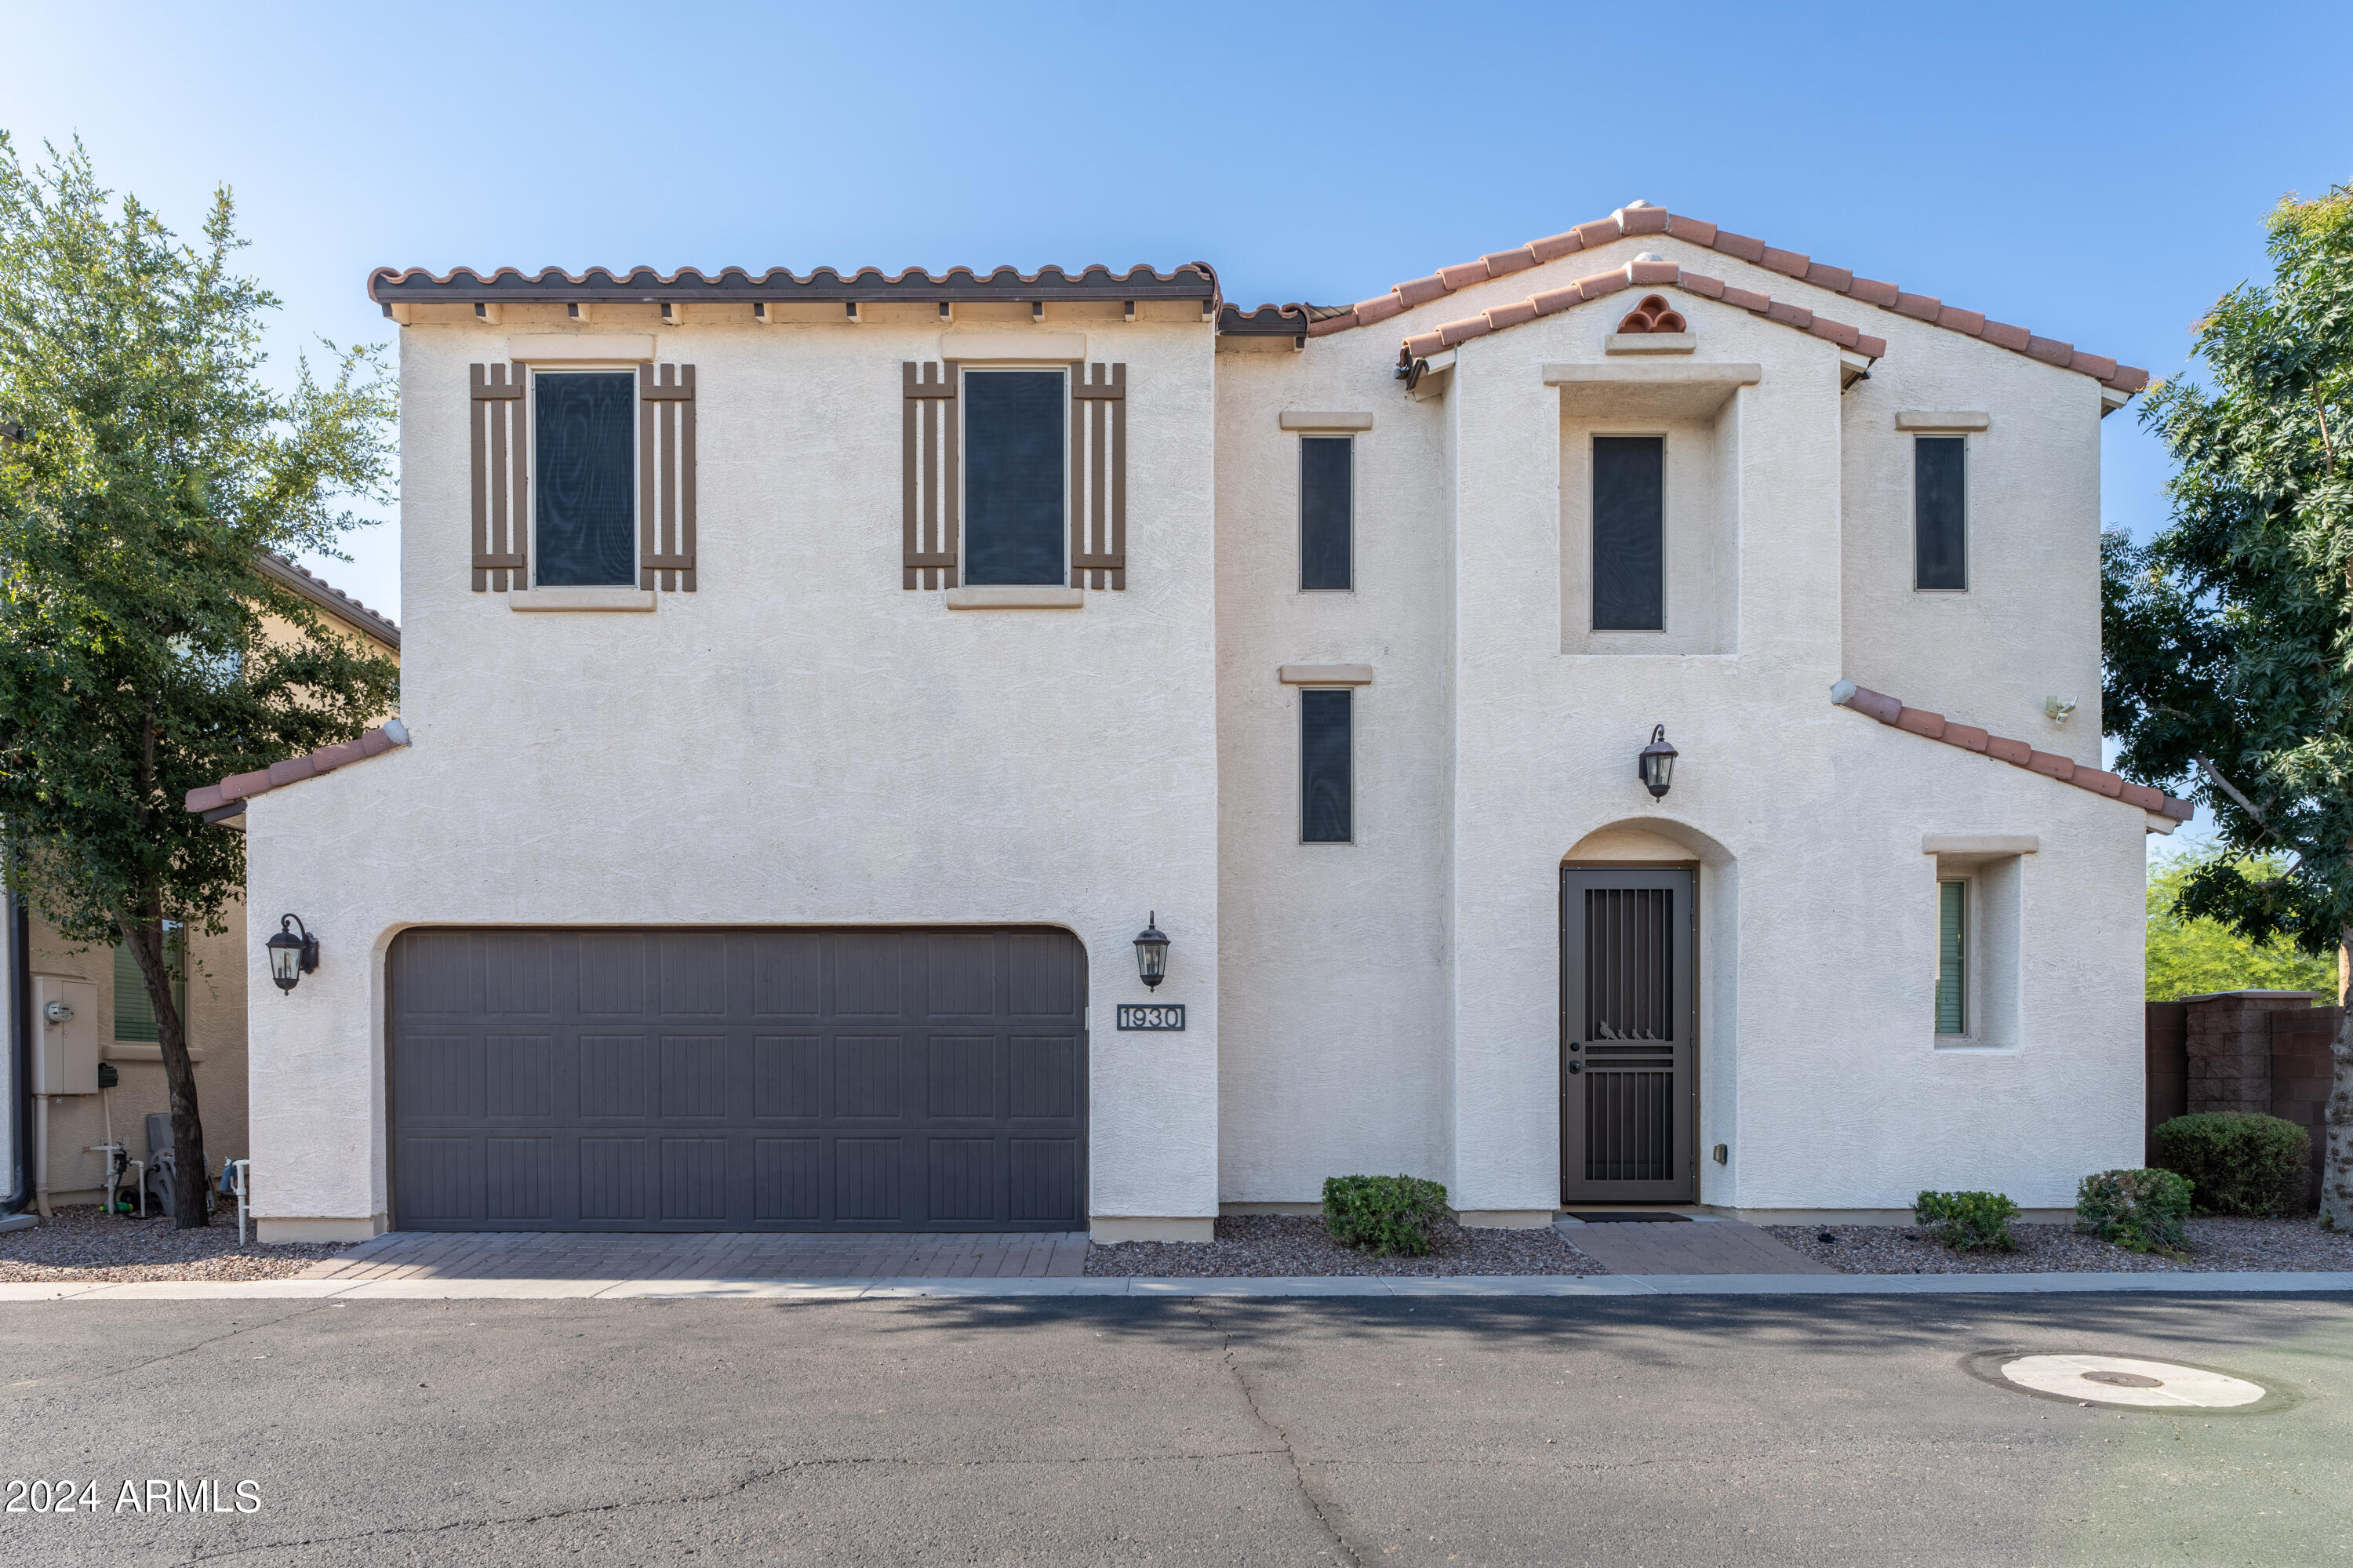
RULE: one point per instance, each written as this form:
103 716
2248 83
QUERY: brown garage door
738 1080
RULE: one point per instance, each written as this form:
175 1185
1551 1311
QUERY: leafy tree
2230 637
144 468
2191 955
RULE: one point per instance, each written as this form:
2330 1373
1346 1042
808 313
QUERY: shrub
2136 1210
1966 1222
2238 1162
1387 1214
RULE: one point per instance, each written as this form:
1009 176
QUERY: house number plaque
1152 1015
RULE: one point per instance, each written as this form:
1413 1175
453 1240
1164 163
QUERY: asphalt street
1648 1431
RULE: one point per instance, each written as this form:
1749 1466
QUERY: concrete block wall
2262 1051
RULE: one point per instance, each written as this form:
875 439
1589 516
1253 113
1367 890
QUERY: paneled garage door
727 1080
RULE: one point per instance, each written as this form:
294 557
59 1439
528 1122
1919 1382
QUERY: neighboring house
816 682
212 1000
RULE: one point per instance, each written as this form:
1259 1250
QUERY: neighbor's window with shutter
1326 514
587 475
1326 767
1939 536
1952 989
134 1011
1013 475
1629 494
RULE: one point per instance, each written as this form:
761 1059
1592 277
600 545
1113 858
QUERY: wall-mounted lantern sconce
1656 765
1152 952
291 956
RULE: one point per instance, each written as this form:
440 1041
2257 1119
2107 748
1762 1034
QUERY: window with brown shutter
506 443
932 479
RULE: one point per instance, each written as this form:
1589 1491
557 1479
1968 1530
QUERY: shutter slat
500 468
927 485
1099 501
646 500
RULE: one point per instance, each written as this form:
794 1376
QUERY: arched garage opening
801 1078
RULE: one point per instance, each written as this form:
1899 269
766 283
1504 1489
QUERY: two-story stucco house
813 684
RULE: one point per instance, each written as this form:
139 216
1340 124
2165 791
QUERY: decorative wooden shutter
666 477
1098 475
928 482
501 477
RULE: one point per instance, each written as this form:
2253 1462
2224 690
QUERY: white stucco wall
799 741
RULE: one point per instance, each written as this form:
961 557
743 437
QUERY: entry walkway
539 1254
1687 1247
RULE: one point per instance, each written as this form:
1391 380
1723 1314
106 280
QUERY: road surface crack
1315 1505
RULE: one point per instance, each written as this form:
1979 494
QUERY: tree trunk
192 1198
2337 1170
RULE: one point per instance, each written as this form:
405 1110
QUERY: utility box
65 1052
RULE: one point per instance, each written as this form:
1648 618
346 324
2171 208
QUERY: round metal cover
2125 1380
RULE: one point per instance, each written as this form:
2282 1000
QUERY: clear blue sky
2095 172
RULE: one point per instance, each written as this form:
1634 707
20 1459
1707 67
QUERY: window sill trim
1004 596
621 599
136 1051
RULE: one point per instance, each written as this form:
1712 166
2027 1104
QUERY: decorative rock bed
1281 1245
82 1245
2216 1246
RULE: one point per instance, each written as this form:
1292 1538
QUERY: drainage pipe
19 939
41 1157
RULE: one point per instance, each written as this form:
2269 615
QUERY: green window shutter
1951 906
134 1014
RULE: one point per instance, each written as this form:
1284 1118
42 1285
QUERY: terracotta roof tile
294 769
1888 710
1643 219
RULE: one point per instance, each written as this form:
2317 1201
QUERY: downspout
20 1041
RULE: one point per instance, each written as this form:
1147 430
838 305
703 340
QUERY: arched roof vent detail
1653 314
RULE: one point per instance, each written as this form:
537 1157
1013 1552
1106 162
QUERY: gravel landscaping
2216 1246
1285 1245
83 1246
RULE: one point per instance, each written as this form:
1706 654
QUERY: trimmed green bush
2238 1162
1966 1222
1387 1214
2139 1211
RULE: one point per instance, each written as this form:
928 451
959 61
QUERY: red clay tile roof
1891 711
638 285
1642 274
1634 220
294 769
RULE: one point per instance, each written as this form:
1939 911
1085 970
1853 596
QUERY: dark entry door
738 1080
1628 1045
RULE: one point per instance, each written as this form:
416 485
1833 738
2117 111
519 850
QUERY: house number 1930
1151 1015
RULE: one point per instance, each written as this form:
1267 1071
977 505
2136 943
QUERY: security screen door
1627 1035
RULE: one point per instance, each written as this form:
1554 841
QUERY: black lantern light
1656 765
291 956
1152 952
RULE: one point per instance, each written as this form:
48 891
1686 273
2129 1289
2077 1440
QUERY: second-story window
1629 525
584 424
1940 557
1015 464
1326 514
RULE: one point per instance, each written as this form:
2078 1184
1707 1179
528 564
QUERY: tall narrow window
1629 494
1014 461
1952 989
1327 781
586 470
1939 541
134 1011
1326 512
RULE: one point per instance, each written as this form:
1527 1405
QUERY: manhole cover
2123 1380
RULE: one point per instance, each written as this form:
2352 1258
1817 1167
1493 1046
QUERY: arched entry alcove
1648 961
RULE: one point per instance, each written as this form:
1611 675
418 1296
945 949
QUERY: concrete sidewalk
1621 1285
